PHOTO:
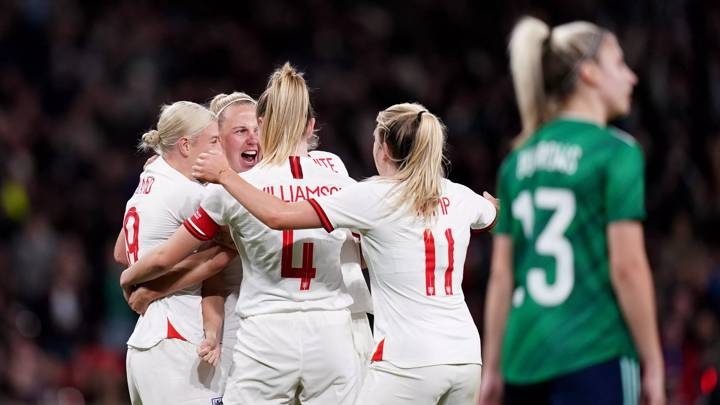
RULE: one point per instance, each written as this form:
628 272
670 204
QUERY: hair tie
419 115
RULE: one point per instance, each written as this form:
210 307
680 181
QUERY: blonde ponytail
526 46
545 66
285 110
416 141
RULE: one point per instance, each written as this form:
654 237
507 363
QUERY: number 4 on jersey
304 273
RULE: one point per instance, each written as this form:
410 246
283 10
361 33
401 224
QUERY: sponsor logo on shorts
216 401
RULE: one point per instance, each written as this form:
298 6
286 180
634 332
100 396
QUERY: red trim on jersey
321 214
296 167
172 333
355 235
378 355
201 225
429 262
451 259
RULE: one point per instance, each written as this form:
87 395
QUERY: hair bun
151 139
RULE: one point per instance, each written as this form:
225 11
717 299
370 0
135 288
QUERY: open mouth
249 157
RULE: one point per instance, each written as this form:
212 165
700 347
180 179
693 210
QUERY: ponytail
285 110
545 66
526 48
416 141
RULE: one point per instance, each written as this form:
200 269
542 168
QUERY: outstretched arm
270 210
161 259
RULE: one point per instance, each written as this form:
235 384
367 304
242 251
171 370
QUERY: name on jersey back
293 193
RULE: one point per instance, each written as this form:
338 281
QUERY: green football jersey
559 192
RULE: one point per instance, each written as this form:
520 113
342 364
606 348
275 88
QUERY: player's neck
586 108
180 163
301 149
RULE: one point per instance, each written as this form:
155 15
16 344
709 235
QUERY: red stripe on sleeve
378 355
296 167
321 214
201 225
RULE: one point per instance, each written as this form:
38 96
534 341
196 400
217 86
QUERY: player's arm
119 253
192 270
497 307
270 210
629 269
160 260
213 311
632 281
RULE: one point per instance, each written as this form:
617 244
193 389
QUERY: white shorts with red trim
447 384
172 373
309 353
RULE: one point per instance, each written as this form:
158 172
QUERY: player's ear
183 146
589 73
310 128
386 152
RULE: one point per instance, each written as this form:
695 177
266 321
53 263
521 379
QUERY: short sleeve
625 184
484 214
356 207
504 219
210 216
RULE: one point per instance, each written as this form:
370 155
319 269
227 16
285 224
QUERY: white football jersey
283 271
350 256
329 161
163 199
416 272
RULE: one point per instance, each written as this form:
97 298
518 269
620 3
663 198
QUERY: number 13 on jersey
550 241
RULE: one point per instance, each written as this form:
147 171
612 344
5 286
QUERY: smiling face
239 131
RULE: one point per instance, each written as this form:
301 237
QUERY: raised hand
492 199
211 166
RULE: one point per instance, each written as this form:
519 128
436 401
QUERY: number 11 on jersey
429 239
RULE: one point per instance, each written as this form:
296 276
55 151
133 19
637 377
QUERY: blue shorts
614 382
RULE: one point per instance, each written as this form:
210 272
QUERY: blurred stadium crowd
81 81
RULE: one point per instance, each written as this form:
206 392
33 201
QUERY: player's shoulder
375 185
456 189
328 161
622 138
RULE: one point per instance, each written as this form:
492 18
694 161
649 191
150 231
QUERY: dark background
81 81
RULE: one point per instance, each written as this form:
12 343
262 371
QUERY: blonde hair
545 64
177 120
222 101
416 141
285 110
